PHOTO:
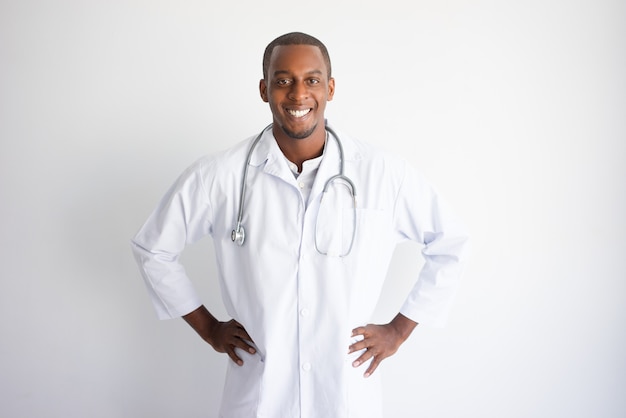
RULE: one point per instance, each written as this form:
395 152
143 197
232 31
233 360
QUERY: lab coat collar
267 149
268 153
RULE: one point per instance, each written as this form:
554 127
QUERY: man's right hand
224 337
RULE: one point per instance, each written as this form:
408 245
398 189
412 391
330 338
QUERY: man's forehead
286 57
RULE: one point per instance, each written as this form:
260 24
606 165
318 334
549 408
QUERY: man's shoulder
368 152
228 159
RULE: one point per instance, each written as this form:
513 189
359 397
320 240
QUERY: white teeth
298 113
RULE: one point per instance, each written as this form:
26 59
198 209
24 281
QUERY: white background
515 110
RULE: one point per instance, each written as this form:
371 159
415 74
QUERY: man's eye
314 81
282 82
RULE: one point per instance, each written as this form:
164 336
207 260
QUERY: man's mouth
298 113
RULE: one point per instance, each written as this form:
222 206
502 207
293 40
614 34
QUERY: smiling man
302 280
297 84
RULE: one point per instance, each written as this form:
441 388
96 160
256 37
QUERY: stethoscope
238 235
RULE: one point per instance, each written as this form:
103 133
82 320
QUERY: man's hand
224 337
380 341
227 336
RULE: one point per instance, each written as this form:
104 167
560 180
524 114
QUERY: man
305 279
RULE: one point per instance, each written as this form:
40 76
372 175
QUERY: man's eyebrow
285 72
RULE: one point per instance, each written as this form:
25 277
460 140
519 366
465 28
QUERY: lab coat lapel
271 157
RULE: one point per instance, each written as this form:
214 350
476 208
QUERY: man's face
297 89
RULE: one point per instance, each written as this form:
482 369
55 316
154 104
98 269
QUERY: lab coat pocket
335 228
370 221
372 232
369 259
242 389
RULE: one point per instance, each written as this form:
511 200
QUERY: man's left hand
380 341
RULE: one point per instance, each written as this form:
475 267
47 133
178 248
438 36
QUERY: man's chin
300 134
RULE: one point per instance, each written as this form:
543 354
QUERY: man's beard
300 134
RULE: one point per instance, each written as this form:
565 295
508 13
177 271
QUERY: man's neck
300 150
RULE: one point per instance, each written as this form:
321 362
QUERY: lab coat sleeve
182 217
422 215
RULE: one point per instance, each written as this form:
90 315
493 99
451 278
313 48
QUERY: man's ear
263 90
331 88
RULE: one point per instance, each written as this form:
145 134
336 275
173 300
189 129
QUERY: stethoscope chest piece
238 235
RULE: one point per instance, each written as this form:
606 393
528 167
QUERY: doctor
303 284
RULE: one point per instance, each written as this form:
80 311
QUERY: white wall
515 110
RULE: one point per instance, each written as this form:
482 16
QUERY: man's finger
373 366
362 359
233 356
357 346
358 331
244 345
241 332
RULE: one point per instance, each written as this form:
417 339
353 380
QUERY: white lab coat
299 306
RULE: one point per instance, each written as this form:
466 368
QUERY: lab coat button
304 312
306 367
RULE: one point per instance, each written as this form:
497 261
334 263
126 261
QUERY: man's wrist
403 326
204 323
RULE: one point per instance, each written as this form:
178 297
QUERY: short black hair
294 38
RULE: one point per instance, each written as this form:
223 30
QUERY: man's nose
298 91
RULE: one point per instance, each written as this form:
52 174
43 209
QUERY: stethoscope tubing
238 234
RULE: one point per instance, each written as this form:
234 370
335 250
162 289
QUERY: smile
298 113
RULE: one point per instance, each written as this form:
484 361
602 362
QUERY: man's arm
224 337
381 341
